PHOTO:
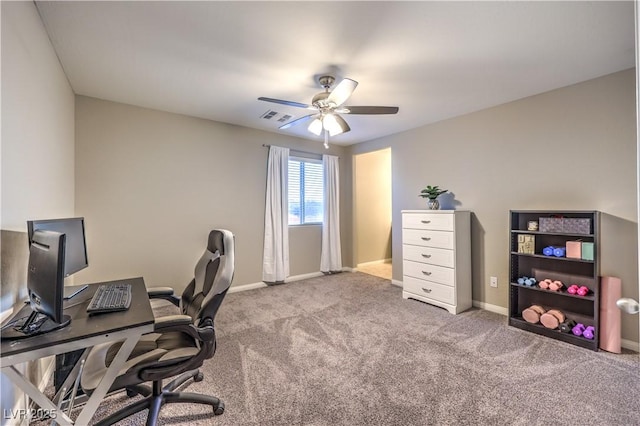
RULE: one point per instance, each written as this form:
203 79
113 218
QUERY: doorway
372 206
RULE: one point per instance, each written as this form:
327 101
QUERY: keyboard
110 298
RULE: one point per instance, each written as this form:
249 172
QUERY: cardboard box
574 249
526 244
587 251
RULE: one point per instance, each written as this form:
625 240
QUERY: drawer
429 289
434 221
419 237
424 271
433 256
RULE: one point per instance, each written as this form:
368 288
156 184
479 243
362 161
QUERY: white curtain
275 261
331 255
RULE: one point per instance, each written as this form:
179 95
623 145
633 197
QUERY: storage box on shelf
436 258
566 231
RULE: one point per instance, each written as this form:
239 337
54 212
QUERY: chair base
160 396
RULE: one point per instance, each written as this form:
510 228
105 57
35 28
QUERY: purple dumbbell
578 329
589 332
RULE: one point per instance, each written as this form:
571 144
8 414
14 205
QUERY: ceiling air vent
272 115
269 114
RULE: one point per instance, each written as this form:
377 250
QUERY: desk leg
110 375
34 393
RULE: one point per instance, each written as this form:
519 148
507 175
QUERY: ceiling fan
328 106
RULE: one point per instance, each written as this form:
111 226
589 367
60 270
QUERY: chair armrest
172 321
165 293
184 324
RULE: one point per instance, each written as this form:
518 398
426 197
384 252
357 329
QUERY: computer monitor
45 284
75 248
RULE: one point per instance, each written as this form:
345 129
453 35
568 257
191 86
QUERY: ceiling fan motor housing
319 100
326 81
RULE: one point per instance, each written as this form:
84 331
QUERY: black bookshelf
582 309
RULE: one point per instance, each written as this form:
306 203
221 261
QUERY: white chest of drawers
436 258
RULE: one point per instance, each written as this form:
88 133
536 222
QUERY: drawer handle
426 273
426 290
426 238
425 221
426 255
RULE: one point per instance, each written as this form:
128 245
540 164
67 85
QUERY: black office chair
179 344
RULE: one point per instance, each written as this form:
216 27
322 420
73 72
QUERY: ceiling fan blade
368 110
295 122
289 103
342 91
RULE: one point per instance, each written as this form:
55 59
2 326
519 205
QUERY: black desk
84 332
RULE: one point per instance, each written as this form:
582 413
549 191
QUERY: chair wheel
198 377
219 409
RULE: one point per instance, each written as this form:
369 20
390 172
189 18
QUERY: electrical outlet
494 281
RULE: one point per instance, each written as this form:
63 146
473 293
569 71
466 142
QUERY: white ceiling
434 60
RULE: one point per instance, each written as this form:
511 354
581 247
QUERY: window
305 191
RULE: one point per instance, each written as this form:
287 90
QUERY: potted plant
432 193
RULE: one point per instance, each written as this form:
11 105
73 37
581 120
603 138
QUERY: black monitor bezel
32 226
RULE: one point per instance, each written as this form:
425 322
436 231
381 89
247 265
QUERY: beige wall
152 184
37 176
571 148
37 122
372 206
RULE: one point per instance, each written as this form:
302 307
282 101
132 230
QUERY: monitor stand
33 325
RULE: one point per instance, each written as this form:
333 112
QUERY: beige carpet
346 349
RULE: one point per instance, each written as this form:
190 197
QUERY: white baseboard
631 345
292 279
303 277
374 262
491 308
246 287
396 283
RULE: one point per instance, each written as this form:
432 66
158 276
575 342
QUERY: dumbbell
559 251
532 314
552 318
573 289
578 329
567 326
583 291
545 283
589 332
529 282
556 285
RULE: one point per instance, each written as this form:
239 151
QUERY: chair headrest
216 241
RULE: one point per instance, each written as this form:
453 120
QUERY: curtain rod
298 150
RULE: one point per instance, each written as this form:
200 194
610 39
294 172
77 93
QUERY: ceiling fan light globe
331 125
316 126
